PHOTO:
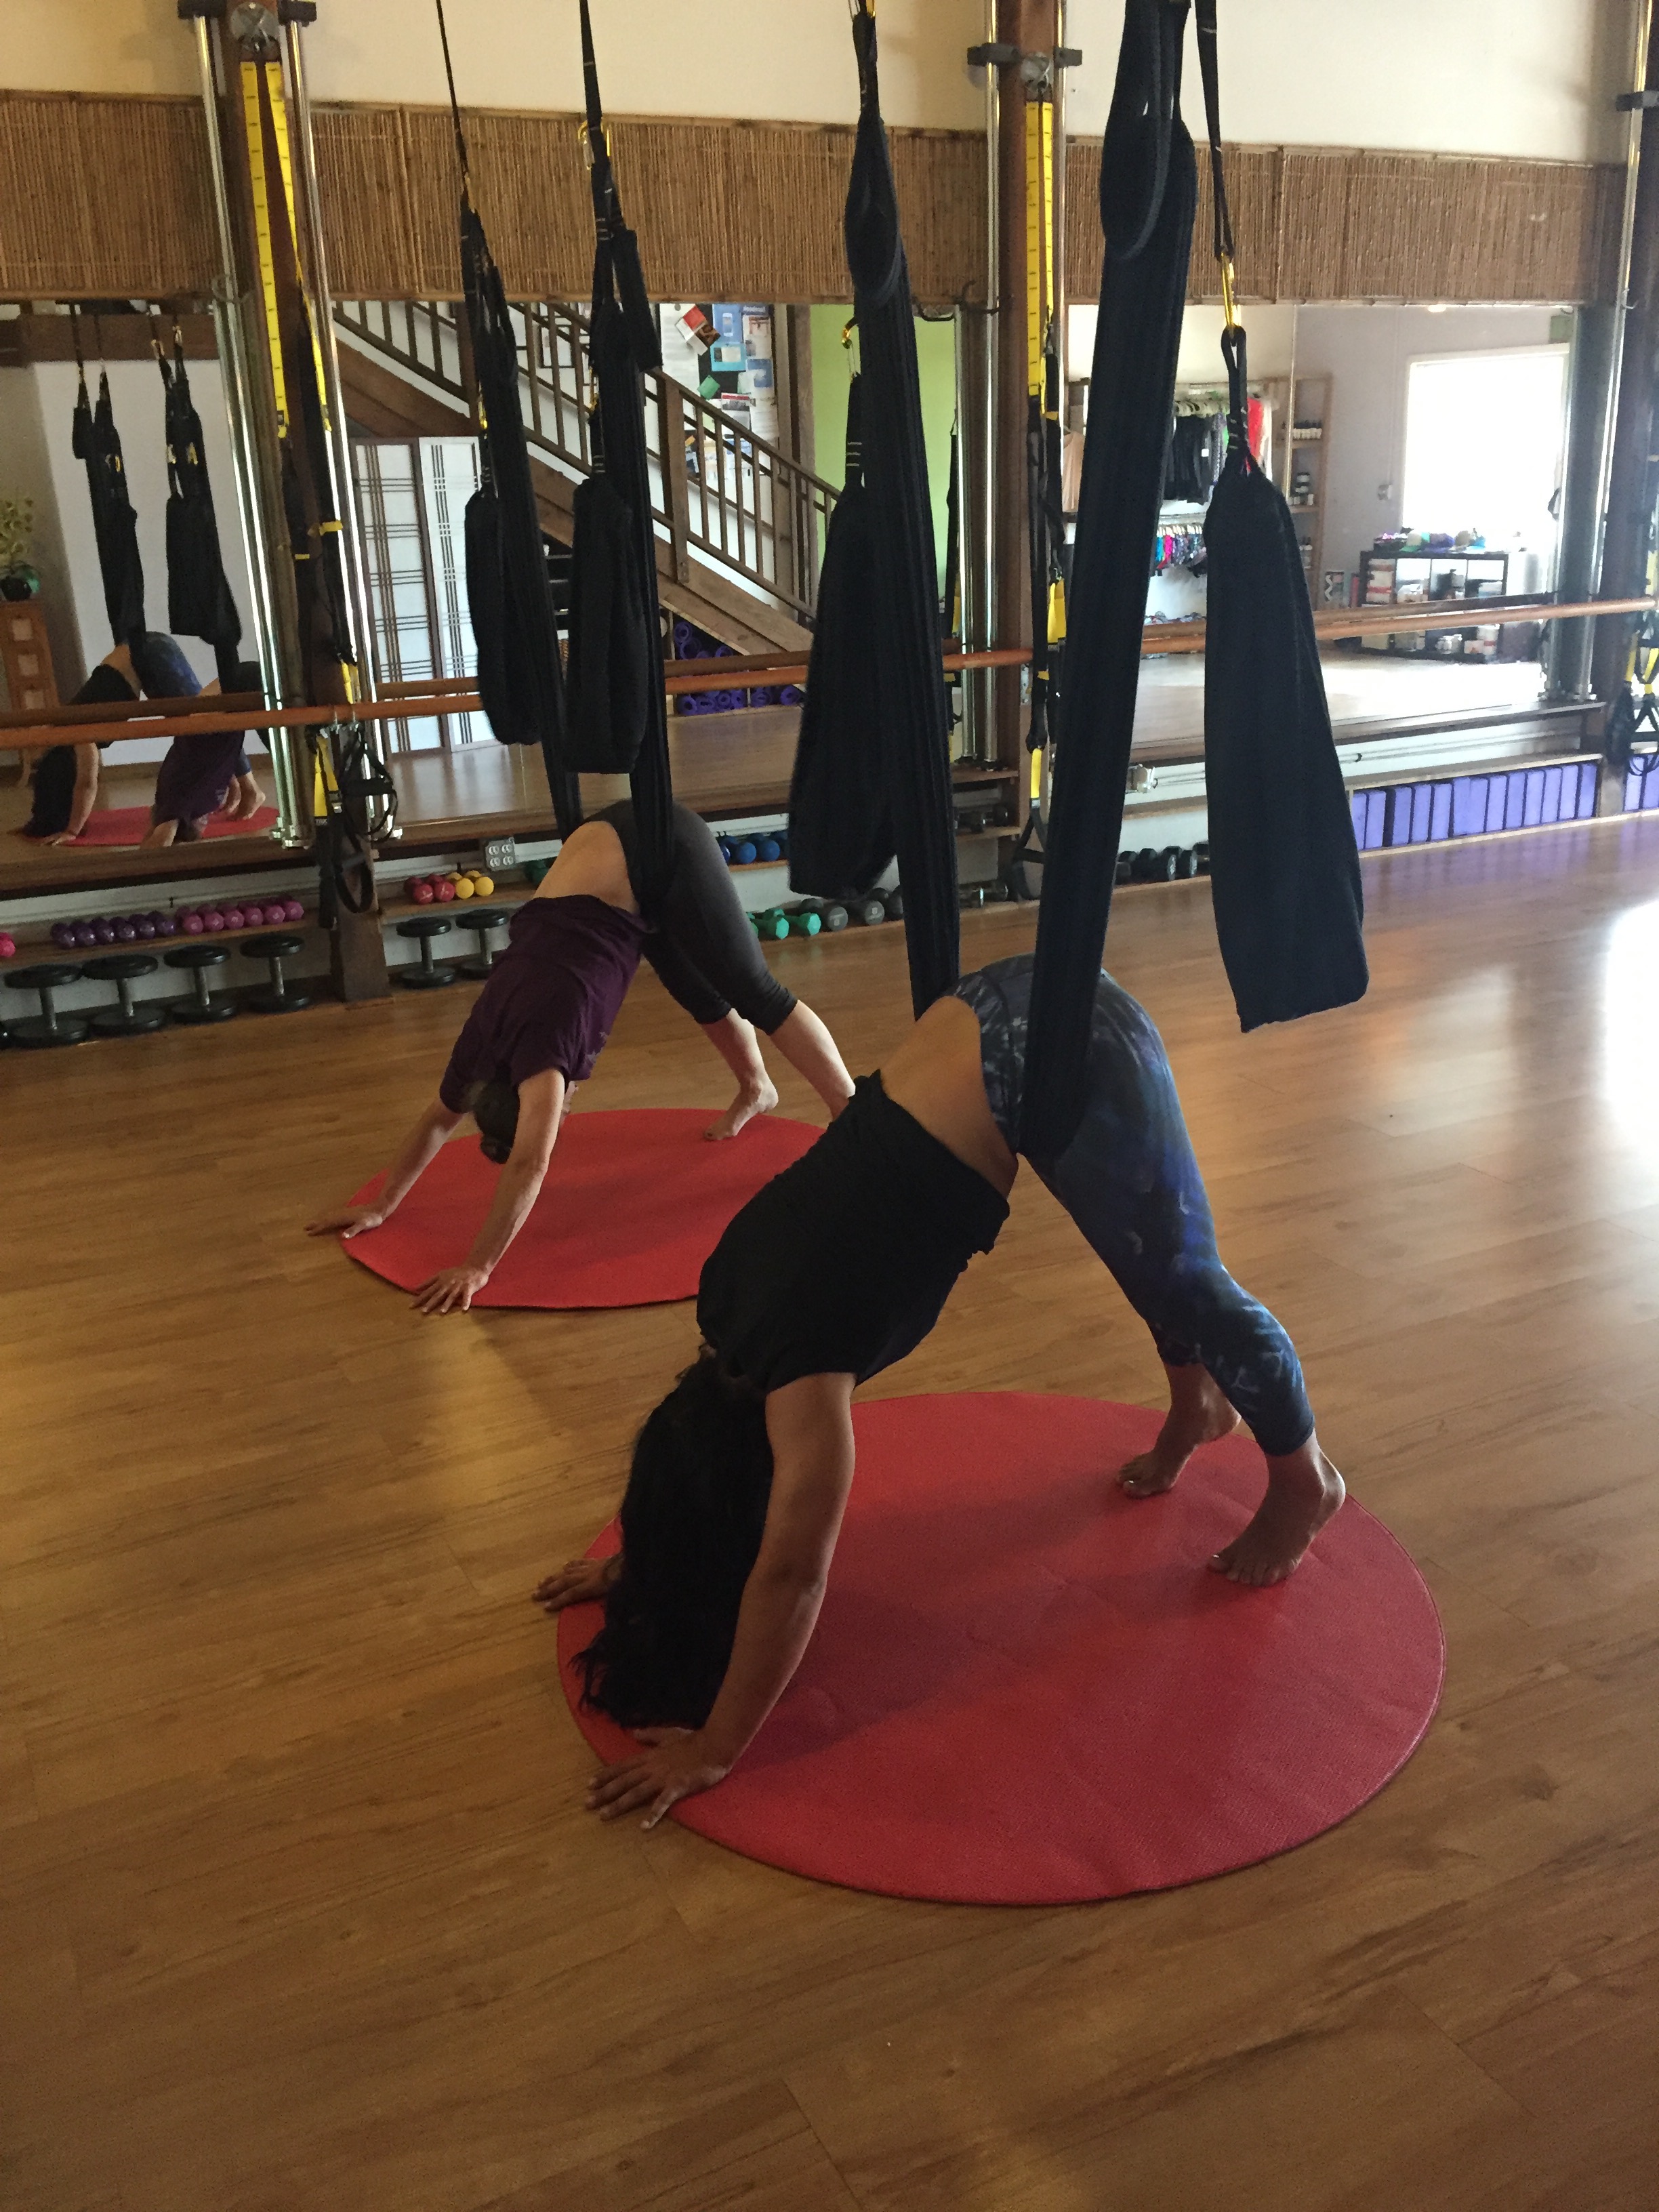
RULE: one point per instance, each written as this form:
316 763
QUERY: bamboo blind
110 198
1347 223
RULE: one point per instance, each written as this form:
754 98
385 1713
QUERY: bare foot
1198 1414
1304 1491
248 804
752 1099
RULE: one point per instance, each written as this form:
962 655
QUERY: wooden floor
299 1910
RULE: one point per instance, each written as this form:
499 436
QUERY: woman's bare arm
541 1109
416 1152
811 1426
85 798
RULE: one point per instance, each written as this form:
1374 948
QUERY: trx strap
1148 197
904 640
515 632
1630 716
1283 867
1043 446
624 342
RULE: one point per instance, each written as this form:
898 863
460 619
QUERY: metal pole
322 297
286 750
988 595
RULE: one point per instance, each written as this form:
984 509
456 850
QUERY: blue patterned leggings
1130 1181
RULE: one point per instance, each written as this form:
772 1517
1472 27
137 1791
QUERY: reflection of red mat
125 825
1027 1688
633 1205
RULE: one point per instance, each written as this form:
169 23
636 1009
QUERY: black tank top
842 1264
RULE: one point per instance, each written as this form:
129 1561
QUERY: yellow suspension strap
1042 418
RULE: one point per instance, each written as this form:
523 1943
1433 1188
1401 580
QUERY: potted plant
19 578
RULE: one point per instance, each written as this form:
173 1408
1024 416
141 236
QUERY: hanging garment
200 602
841 827
607 678
1197 443
903 641
1284 866
1148 194
624 342
94 440
520 677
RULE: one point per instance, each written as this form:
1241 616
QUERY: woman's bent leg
733 1038
1131 1183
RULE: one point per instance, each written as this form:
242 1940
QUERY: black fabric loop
841 827
1234 354
520 677
1134 158
94 440
901 641
875 246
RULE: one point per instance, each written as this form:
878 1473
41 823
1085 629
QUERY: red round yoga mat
1027 1688
633 1204
125 825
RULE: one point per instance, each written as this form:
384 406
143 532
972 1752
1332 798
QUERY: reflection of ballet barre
456 694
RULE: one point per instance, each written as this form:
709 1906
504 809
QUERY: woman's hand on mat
579 1582
675 1764
451 1291
349 1221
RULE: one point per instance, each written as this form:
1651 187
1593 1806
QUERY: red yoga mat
1027 1688
126 825
633 1203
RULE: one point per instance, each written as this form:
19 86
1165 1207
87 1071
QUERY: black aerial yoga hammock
1148 196
618 544
1283 866
95 440
200 602
509 600
841 824
904 640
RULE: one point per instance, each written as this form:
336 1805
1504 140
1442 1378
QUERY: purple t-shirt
550 998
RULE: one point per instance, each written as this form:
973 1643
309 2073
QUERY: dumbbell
275 997
1154 867
1201 856
771 925
769 847
869 908
1186 863
832 914
804 921
201 1007
427 975
1125 871
894 903
49 1027
125 1017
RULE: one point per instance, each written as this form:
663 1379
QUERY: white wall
1525 78
26 472
1368 352
1496 77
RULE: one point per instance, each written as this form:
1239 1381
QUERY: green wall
936 362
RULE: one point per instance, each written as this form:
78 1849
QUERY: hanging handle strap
1233 351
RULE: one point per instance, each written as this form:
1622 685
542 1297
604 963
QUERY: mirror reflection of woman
546 1009
838 1268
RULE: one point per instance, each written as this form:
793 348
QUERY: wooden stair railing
718 493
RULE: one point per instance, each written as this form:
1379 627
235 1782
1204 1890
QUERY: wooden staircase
739 525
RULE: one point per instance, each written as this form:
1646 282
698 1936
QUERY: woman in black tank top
837 1269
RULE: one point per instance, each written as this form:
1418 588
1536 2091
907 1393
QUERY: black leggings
703 947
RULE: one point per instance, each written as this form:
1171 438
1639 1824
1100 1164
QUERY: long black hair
691 1522
494 1105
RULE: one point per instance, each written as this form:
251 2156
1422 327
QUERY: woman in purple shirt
542 1019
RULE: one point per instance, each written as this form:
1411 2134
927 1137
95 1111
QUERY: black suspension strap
903 643
623 344
1148 198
